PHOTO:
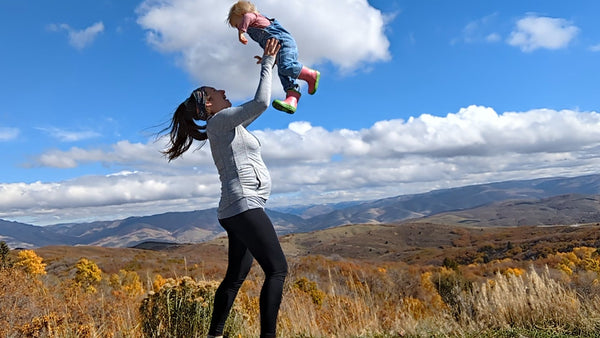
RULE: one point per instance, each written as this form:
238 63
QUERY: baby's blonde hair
239 9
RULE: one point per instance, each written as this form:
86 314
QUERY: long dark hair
183 129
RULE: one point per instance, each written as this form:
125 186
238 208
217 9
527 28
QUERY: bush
87 275
183 308
126 283
31 263
451 284
311 289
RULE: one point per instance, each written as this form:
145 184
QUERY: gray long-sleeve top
245 180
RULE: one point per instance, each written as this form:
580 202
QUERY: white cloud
310 164
122 153
104 196
494 37
79 39
7 134
69 135
479 31
595 48
208 49
533 32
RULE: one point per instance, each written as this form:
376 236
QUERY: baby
244 16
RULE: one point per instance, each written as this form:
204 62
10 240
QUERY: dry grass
327 297
46 307
531 300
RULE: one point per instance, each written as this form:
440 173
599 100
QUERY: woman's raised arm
248 112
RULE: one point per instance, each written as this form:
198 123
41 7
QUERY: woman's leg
238 266
255 230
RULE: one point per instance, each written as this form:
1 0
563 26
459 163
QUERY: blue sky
415 96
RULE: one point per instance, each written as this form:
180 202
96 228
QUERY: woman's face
216 100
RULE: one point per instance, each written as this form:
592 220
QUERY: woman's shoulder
222 121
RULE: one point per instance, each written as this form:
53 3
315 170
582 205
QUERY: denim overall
288 67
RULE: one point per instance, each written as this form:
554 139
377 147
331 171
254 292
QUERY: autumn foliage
30 262
323 297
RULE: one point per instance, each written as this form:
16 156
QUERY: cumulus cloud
473 131
122 153
310 164
7 134
533 32
79 39
104 196
208 48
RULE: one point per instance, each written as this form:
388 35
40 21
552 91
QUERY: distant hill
180 227
310 211
404 207
475 202
571 209
20 235
427 243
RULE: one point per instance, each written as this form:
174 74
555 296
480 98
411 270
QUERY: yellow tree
29 261
87 275
126 282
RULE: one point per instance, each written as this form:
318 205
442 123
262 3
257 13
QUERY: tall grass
530 301
322 298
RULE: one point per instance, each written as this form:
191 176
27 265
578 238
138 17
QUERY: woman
245 187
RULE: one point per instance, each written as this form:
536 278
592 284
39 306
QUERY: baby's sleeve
247 20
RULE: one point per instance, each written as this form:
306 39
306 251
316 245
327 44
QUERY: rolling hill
410 243
513 203
571 209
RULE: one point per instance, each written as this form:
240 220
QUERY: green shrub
183 308
451 285
5 261
310 288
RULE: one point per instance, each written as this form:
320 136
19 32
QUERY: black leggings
251 234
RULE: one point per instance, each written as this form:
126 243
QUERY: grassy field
103 292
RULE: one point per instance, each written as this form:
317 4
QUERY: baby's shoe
312 77
290 103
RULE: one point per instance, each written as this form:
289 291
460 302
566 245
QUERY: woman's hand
271 49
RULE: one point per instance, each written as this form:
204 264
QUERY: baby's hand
243 39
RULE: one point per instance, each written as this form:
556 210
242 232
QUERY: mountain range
545 201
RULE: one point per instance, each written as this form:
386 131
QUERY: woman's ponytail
183 130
